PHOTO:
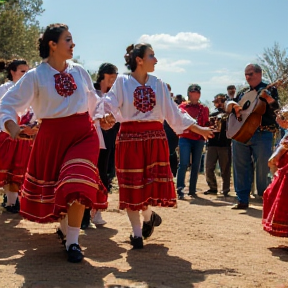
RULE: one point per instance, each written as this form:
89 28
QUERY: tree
19 29
274 63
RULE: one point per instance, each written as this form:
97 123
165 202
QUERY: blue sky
208 42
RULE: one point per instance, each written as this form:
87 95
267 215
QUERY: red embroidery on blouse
65 84
144 98
26 118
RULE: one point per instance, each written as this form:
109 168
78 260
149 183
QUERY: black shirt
220 139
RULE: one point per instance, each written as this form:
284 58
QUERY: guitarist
259 148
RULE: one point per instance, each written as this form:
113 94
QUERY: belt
270 128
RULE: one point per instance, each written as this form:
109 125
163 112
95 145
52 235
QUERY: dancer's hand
107 122
28 131
12 128
206 132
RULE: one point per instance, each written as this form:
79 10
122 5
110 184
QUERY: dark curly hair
133 51
11 65
52 33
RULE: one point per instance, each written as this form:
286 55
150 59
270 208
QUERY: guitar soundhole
246 105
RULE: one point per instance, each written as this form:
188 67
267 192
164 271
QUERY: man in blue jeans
190 142
259 147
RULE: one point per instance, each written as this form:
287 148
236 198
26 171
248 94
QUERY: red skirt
275 202
14 155
62 169
142 166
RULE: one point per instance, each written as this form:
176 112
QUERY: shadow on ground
155 267
280 252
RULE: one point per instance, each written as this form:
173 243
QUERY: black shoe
74 253
148 227
11 209
180 194
136 242
210 191
61 236
192 194
86 219
239 205
226 193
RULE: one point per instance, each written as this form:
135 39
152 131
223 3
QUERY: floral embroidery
144 98
65 84
26 118
141 136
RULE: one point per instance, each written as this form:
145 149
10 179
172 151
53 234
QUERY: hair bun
130 48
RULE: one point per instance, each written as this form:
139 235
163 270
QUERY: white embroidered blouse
131 101
5 87
37 88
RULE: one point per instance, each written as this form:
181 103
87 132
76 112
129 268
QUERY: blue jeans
257 151
186 147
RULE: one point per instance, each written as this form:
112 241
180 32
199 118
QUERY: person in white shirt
62 176
14 154
141 102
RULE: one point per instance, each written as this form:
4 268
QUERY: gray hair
257 68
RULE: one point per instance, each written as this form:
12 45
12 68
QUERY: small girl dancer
14 154
275 198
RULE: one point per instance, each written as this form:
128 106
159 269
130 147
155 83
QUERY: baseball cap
219 96
194 88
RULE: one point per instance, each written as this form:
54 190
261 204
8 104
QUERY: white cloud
225 77
185 40
172 66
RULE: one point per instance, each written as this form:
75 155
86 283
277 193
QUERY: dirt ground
202 243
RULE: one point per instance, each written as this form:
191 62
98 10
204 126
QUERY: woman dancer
275 198
142 153
14 154
62 176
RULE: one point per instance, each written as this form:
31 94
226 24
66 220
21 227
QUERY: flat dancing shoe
148 227
136 242
12 209
74 253
86 219
240 206
210 191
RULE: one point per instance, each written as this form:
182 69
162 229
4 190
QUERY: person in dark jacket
218 149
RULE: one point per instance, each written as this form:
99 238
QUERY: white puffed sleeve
3 90
17 99
178 120
114 98
95 106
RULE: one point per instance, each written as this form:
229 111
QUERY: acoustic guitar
253 107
